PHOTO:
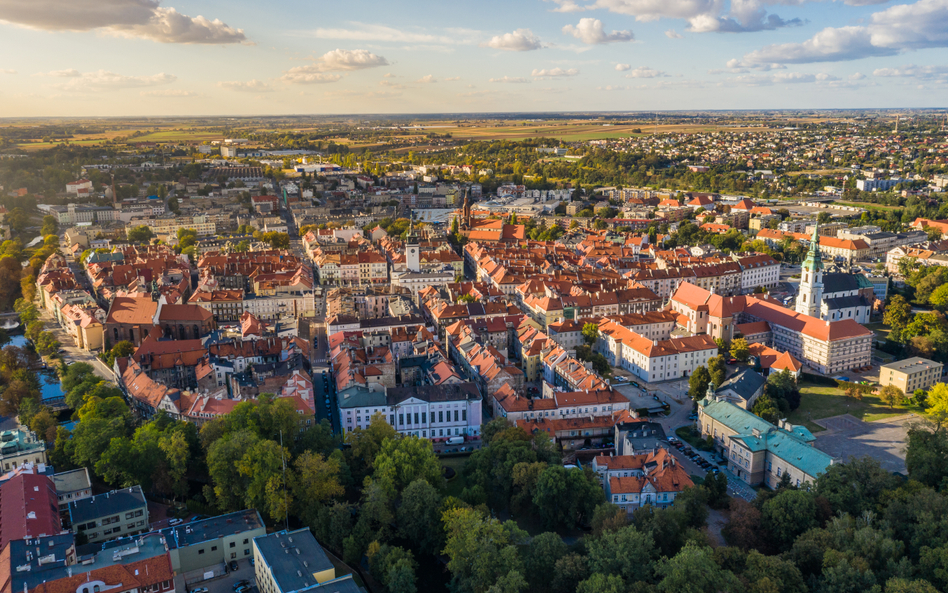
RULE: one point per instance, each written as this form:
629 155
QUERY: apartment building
911 374
224 305
653 360
20 446
506 402
115 514
633 481
293 561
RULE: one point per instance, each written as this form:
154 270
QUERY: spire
814 261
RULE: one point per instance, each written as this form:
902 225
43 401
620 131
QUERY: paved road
73 354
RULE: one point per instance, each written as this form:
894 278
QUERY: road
71 354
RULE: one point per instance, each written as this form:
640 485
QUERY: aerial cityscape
606 296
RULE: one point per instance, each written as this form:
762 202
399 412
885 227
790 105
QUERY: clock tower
412 250
810 299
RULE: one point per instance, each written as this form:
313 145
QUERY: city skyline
186 57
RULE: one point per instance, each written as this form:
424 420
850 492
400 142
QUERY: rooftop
911 365
106 504
294 558
197 532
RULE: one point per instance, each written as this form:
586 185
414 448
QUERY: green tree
140 234
787 515
186 238
590 333
277 240
693 570
403 460
939 298
698 383
717 370
771 573
898 312
740 349
568 572
937 404
626 552
540 559
766 408
100 421
926 453
566 497
419 517
50 226
480 550
601 583
315 483
891 395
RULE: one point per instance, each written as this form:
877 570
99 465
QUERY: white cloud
452 79
251 86
857 76
554 72
519 40
623 67
129 18
509 79
793 77
566 6
590 31
350 59
673 34
704 16
652 10
824 77
897 29
427 78
308 75
610 87
384 33
7 71
913 71
70 73
170 93
646 72
105 80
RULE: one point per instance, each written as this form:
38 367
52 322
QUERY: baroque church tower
810 299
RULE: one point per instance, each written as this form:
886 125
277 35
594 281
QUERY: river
50 386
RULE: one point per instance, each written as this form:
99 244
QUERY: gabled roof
745 384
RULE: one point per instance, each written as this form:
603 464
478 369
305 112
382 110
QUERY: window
213 548
246 541
440 416
416 418
138 513
455 415
129 515
246 552
233 555
401 419
424 417
201 551
233 544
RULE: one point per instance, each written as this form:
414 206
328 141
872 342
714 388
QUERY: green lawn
457 484
822 401
882 330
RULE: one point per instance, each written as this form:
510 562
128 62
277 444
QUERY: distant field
41 145
178 136
575 132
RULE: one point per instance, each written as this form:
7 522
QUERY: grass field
882 330
178 136
457 484
822 401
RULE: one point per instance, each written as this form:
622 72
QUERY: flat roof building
911 374
115 514
202 545
293 561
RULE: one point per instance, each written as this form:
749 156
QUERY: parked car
198 518
233 565
175 521
199 590
239 584
841 378
732 361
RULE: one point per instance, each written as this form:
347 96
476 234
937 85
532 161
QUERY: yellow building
911 374
290 561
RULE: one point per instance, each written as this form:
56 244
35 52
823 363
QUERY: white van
455 440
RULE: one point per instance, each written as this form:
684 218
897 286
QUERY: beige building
289 561
911 374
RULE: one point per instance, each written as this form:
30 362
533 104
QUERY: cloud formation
897 29
704 16
591 32
384 33
251 86
144 19
308 75
646 72
566 6
170 93
350 59
104 80
519 40
673 34
509 79
913 71
554 72
623 67
427 78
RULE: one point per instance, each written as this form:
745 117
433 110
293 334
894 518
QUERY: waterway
50 386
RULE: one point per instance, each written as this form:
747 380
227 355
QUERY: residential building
741 389
224 305
911 374
633 481
506 402
209 544
29 508
19 446
115 514
758 452
653 360
71 486
294 562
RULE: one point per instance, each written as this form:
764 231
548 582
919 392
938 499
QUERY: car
243 585
199 590
233 565
841 378
198 518
732 361
633 383
672 439
175 521
251 561
242 589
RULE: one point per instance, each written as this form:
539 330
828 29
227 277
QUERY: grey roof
745 384
839 282
71 481
392 321
639 436
877 236
433 393
292 558
104 505
846 302
196 532
911 365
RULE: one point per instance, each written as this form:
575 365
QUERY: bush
818 379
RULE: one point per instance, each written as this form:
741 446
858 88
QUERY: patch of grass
823 401
693 438
458 483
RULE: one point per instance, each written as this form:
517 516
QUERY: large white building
653 360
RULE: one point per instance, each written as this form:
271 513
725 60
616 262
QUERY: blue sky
190 57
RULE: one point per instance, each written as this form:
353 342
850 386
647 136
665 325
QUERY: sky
210 57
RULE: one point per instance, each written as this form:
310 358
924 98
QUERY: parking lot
699 463
221 584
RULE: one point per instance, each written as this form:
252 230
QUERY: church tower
412 253
466 212
810 299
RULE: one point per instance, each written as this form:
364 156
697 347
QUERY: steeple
412 254
810 299
814 260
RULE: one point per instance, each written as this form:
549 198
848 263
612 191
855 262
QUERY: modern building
911 374
293 562
115 514
19 446
758 452
208 545
71 486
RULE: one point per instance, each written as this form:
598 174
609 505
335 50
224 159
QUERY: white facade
766 276
415 417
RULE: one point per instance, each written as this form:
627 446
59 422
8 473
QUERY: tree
698 383
186 238
693 570
715 484
140 234
766 408
404 460
315 483
939 298
480 550
626 552
568 572
50 226
740 349
566 497
787 515
590 333
937 403
926 454
717 370
44 425
898 312
419 518
766 573
891 395
601 583
277 240
855 486
366 443
543 552
608 517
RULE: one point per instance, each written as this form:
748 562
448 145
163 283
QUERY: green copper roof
814 261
